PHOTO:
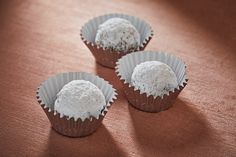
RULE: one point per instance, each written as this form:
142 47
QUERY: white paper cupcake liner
142 101
46 96
107 57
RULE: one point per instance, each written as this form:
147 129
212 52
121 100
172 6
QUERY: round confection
80 99
154 78
118 34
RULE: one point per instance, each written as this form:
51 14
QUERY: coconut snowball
80 99
154 78
118 34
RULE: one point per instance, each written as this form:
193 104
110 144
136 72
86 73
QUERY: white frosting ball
80 99
154 78
118 34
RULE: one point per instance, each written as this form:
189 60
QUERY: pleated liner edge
70 127
147 103
106 57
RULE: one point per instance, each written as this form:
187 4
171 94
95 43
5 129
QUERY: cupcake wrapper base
107 57
71 128
68 126
149 104
142 101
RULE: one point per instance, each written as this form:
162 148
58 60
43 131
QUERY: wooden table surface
41 38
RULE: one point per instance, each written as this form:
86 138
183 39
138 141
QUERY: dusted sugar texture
39 38
80 99
118 34
154 78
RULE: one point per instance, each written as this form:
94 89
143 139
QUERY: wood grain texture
41 38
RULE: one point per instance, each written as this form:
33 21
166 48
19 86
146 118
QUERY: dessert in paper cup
151 80
111 36
75 102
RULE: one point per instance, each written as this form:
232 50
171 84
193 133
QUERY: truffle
118 34
80 99
154 78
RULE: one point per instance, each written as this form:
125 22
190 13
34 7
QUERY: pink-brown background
41 38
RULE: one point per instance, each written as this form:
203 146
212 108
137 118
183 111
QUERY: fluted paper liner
107 57
46 96
142 101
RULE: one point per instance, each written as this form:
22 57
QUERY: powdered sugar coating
80 99
154 78
118 34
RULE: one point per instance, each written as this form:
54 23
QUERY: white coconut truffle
154 78
118 34
80 99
